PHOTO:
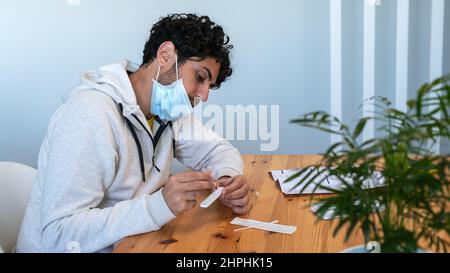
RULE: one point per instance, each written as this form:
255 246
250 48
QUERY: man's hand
183 189
235 193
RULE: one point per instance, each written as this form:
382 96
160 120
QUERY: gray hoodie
100 174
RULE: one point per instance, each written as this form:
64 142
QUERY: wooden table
209 230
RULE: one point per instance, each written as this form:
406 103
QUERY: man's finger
197 186
239 202
239 193
237 183
241 210
193 176
226 202
223 182
191 195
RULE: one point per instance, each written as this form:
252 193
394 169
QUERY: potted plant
416 193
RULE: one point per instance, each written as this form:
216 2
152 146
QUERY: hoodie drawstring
155 140
158 135
138 144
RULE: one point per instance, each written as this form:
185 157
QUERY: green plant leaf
359 127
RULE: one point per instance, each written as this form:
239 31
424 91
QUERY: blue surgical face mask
170 102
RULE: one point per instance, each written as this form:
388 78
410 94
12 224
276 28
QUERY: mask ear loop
157 74
176 68
176 65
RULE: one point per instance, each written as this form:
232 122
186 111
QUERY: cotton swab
256 226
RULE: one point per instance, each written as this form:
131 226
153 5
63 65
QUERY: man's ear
166 55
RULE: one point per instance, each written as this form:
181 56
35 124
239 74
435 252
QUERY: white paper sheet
329 181
264 225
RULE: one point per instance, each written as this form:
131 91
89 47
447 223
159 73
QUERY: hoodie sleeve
80 167
199 148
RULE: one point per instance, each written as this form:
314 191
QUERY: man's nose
203 93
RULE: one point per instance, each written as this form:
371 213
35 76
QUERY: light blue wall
446 143
419 43
352 56
281 56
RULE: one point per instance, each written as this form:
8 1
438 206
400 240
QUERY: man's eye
200 78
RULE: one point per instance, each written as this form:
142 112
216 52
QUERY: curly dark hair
193 36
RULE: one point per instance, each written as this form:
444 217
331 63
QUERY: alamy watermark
235 122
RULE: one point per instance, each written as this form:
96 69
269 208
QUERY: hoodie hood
113 81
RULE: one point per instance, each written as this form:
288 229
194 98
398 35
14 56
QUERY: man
103 168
